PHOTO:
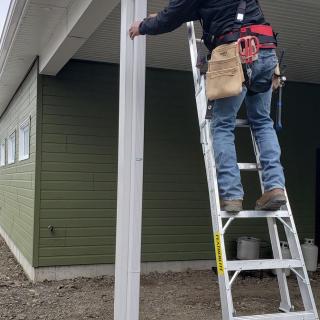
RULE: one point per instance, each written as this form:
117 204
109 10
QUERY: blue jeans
258 112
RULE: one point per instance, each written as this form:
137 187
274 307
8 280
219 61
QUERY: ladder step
243 265
286 316
255 214
242 123
248 166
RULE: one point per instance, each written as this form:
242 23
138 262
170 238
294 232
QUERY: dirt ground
171 296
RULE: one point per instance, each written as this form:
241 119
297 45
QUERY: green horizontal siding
79 165
79 168
17 181
176 219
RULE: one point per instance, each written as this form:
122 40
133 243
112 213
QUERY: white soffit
80 21
39 19
296 21
51 29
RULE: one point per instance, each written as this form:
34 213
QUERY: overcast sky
4 5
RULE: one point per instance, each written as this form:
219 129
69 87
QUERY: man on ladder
227 21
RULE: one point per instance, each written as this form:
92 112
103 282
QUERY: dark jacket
218 16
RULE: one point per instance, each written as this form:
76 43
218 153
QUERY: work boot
272 200
233 206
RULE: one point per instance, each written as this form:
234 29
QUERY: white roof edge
12 22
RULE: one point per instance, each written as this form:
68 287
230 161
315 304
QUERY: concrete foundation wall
89 271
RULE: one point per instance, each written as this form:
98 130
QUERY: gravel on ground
192 295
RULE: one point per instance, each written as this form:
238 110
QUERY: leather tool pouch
225 76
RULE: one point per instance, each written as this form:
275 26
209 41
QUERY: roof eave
12 23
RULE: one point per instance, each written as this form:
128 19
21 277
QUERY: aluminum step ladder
222 220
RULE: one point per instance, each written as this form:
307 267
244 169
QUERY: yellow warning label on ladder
217 242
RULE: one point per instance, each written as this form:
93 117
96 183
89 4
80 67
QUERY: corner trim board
37 182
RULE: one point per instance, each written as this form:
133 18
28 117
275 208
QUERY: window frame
25 124
3 153
9 144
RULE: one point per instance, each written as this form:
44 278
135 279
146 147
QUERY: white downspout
130 164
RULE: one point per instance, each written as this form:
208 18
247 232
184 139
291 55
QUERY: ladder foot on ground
285 316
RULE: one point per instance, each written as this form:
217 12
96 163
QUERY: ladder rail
295 249
296 252
223 276
285 304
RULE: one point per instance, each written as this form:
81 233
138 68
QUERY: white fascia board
79 22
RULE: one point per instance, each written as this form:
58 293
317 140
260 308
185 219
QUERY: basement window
24 140
2 154
12 148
